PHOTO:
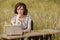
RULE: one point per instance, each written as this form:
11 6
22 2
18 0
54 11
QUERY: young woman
22 18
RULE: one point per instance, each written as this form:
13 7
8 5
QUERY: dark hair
24 7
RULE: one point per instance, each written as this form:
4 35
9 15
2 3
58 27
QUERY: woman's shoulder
28 17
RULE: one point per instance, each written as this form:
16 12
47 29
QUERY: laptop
13 30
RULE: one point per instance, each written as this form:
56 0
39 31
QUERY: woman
22 18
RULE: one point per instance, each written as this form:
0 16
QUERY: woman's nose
19 10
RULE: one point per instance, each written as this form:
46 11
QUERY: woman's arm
29 26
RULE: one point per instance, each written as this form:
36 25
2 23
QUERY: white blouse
25 24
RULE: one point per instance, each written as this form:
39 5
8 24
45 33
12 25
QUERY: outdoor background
45 13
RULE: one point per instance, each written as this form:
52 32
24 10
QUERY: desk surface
34 33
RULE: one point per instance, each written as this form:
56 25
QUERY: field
44 13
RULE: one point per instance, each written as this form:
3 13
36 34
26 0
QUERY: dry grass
45 13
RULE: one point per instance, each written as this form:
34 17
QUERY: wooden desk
45 32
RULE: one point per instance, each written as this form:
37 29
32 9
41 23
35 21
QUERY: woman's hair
24 7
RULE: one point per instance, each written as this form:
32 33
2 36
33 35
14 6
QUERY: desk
44 33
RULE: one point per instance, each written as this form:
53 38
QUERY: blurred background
45 13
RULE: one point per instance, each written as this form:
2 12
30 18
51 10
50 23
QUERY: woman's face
20 10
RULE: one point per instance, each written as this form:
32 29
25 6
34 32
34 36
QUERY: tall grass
45 13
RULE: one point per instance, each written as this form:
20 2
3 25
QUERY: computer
13 30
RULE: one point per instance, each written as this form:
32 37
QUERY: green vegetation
45 13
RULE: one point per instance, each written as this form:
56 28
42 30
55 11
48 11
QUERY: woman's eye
21 9
18 9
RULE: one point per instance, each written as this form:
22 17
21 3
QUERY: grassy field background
45 13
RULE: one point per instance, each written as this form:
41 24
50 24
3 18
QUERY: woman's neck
21 16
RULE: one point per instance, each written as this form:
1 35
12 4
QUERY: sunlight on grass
45 13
